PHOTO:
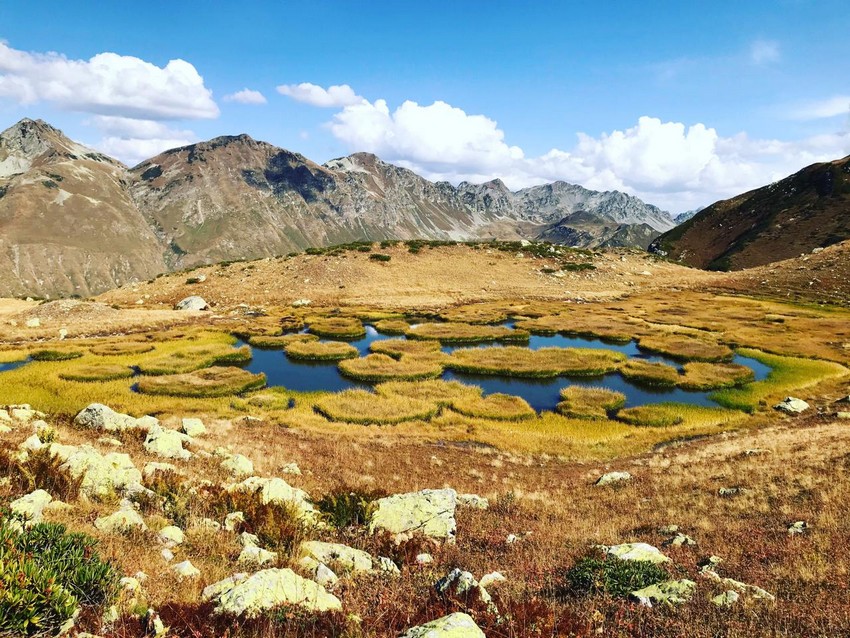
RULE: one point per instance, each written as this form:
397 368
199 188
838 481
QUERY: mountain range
75 221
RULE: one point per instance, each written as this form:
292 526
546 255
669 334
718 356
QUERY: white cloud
133 141
669 164
106 84
764 52
334 96
831 107
246 96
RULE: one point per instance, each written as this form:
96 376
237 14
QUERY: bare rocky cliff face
74 221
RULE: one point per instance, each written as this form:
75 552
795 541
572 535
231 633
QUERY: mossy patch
208 382
97 372
320 350
277 342
363 407
465 333
348 328
498 407
195 357
650 373
712 376
376 368
543 363
579 402
686 347
443 393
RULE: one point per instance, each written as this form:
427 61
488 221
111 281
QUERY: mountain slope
807 210
67 223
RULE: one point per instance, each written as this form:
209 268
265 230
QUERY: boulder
429 512
613 478
102 474
233 520
253 555
167 444
266 589
492 579
792 405
669 592
31 507
636 552
238 465
193 427
185 570
473 500
191 303
456 625
275 490
387 566
126 519
726 599
340 557
171 536
101 417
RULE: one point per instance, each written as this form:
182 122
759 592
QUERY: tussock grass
97 372
195 357
121 348
499 407
398 348
649 373
580 325
349 328
376 368
209 382
579 402
363 407
443 393
713 376
392 326
686 347
483 313
788 374
13 355
543 363
280 341
465 333
55 355
320 350
656 416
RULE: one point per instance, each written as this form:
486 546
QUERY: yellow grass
362 407
13 355
376 368
397 348
209 382
579 402
280 341
582 323
97 372
542 363
712 376
443 393
499 407
465 333
348 328
194 357
320 350
392 326
650 373
112 349
688 348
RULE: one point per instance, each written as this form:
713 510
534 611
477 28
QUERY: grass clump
655 416
277 342
280 525
392 326
320 350
347 507
97 372
712 376
47 576
589 403
55 355
465 333
376 368
348 328
649 373
119 349
362 407
607 575
14 355
498 407
477 313
40 470
209 382
686 348
787 374
398 348
443 393
195 357
543 363
584 325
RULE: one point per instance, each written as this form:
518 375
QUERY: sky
678 103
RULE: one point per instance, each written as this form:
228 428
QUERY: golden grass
97 372
392 326
194 357
685 347
398 348
788 374
363 407
349 328
656 416
579 402
443 393
14 355
55 354
582 324
280 341
112 349
376 368
465 333
498 407
483 313
650 373
713 376
209 382
542 363
320 350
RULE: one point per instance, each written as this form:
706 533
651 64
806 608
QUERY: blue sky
678 103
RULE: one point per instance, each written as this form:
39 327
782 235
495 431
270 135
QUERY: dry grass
376 368
398 348
656 416
111 349
581 324
542 363
713 376
480 313
362 407
320 350
579 402
443 393
650 373
13 355
194 357
465 333
209 382
276 342
392 326
498 407
347 328
686 347
97 372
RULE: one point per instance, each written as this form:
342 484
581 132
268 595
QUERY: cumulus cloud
822 109
334 96
106 84
133 141
764 52
670 164
246 96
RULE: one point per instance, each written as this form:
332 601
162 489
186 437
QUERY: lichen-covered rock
753 591
669 592
636 552
473 501
167 444
792 405
101 417
102 474
429 512
387 566
340 557
275 490
31 507
185 570
193 427
266 589
191 303
492 579
171 536
253 555
233 520
457 625
126 519
726 599
238 465
461 583
613 478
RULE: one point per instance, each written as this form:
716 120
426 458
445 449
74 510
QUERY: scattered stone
798 527
5 416
492 579
171 536
191 303
31 507
429 512
167 555
636 552
126 519
266 589
473 501
249 421
24 413
298 303
842 415
292 469
613 478
238 465
670 592
792 405
387 566
341 557
35 322
32 444
101 417
167 444
424 559
680 540
253 555
193 427
275 490
462 583
207 523
727 598
753 591
185 570
456 625
249 540
233 520
510 539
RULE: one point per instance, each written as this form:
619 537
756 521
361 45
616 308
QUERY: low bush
280 526
379 257
599 574
41 470
209 382
320 350
95 372
579 402
376 368
650 373
362 407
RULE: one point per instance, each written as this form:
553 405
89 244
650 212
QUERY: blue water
541 394
11 366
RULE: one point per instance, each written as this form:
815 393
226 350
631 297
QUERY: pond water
11 366
541 394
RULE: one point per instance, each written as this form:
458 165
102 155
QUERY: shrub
379 257
577 267
176 499
279 525
347 507
599 574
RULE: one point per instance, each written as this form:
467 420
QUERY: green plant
347 507
599 574
41 470
55 355
379 257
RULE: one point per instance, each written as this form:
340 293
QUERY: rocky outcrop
457 625
430 513
101 417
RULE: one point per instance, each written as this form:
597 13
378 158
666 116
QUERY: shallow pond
541 394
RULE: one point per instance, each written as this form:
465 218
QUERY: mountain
681 218
74 221
807 210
